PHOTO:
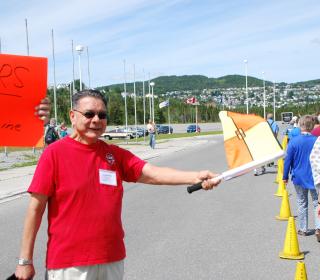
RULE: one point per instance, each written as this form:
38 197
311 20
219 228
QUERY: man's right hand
25 272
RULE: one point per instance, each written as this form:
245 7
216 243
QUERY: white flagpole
73 86
125 93
274 101
135 100
89 77
5 148
144 107
28 53
54 79
70 89
196 117
150 98
27 36
169 114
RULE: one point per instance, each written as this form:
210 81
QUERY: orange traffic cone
280 164
291 246
301 273
285 211
281 188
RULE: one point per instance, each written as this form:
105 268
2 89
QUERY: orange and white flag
249 142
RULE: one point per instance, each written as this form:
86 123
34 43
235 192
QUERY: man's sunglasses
91 114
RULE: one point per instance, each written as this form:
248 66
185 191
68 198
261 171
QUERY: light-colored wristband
24 261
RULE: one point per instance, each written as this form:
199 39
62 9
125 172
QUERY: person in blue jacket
297 162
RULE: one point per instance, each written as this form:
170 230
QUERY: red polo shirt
84 186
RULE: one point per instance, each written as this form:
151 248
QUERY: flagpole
169 114
54 78
264 96
88 60
125 94
274 101
135 100
144 107
28 53
73 85
5 148
27 36
196 117
150 98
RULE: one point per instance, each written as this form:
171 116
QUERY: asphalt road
228 233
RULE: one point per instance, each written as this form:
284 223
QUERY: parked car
118 133
193 128
164 129
133 131
142 131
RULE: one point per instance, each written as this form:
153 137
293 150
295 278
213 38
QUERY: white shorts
109 271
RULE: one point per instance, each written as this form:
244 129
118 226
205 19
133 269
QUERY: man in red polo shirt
80 178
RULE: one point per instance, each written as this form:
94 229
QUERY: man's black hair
87 92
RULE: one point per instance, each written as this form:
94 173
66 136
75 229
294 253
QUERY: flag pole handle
198 186
194 187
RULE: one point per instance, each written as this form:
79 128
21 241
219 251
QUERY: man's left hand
43 110
209 180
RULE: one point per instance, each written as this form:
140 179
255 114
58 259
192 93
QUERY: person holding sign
84 203
43 110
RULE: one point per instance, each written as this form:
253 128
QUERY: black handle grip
194 187
12 277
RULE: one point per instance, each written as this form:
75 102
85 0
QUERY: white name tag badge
108 177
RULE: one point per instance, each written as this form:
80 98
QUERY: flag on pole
249 142
164 104
191 100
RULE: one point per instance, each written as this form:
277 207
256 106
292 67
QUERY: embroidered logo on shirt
110 159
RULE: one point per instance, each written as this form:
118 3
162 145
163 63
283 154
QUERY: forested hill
164 84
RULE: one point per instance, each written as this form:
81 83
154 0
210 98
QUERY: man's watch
24 261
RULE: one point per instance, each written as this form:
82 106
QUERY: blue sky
212 38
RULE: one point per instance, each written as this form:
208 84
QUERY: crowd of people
302 164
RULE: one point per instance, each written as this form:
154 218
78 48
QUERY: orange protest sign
23 83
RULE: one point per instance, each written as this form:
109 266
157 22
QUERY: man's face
88 129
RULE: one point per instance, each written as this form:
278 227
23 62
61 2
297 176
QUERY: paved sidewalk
14 182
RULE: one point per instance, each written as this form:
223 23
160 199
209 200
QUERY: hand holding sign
43 110
23 84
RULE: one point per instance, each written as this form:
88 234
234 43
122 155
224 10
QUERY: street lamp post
80 49
152 86
246 71
264 96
